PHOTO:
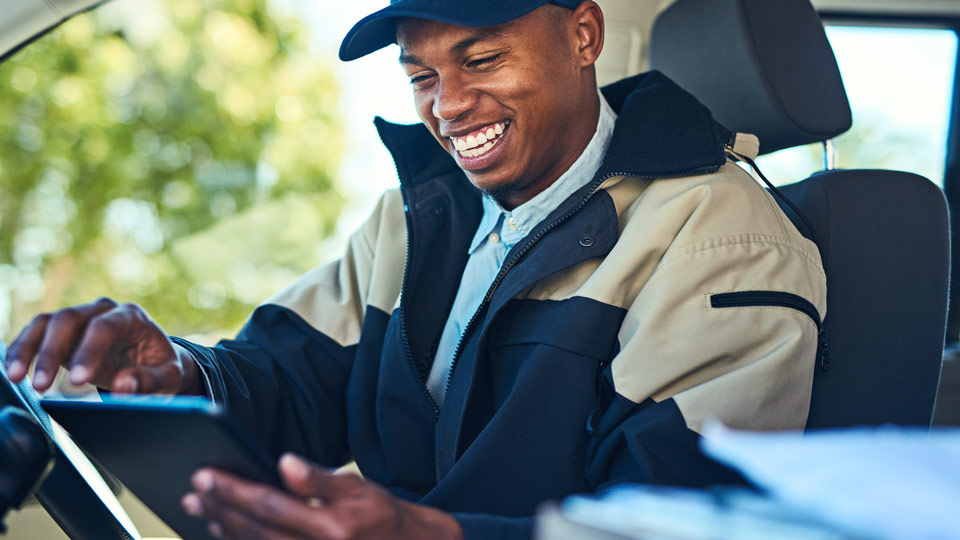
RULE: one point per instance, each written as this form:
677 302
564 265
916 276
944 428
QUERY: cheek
424 106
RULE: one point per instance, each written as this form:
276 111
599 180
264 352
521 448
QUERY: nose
453 99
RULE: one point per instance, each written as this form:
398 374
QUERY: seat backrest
767 68
885 246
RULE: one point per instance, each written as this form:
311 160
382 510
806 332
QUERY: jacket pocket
778 299
577 325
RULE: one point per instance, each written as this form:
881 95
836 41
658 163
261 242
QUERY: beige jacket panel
683 240
333 297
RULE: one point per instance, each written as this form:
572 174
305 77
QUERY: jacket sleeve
726 328
284 377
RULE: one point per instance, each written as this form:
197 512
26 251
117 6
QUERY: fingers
228 522
94 341
244 509
125 351
63 331
269 506
24 347
51 338
160 379
308 480
102 333
117 329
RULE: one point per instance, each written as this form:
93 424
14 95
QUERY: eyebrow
459 47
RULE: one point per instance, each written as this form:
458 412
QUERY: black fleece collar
661 132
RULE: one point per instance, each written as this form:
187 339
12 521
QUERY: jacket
669 290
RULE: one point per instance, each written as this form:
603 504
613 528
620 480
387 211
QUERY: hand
319 505
116 347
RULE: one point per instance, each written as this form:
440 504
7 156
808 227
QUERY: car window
899 82
176 153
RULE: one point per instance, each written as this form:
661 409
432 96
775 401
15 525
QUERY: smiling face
514 104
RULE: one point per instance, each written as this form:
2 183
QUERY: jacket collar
661 132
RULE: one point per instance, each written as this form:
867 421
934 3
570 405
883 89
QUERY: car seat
767 68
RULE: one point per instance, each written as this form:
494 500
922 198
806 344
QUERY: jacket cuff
491 527
208 367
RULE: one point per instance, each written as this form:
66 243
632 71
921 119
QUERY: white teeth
475 145
477 151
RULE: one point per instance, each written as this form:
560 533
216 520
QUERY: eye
485 61
419 80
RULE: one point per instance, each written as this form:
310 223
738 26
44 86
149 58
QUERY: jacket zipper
529 244
403 324
778 299
407 214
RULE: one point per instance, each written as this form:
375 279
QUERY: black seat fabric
766 68
761 66
884 243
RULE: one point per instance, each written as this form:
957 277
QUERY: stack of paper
888 482
867 483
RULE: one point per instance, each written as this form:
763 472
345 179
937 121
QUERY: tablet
153 444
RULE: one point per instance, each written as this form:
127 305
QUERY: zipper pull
824 351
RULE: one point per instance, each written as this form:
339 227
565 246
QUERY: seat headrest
761 66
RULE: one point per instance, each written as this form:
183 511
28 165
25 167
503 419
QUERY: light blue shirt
498 232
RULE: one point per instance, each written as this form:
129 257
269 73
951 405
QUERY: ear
589 20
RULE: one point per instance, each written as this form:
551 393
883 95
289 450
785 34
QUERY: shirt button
512 224
494 238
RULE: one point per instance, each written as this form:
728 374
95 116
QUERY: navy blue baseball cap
378 30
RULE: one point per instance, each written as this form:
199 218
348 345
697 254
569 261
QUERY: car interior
888 351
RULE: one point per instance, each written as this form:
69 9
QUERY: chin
491 184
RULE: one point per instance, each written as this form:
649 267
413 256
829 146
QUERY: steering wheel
79 499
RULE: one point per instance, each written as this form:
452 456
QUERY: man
555 300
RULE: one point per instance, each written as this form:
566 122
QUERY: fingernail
79 374
40 379
192 505
296 467
126 384
14 368
216 530
203 481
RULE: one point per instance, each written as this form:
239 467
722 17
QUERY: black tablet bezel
154 444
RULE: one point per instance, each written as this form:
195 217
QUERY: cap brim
378 30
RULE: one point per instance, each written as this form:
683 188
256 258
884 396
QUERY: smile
480 141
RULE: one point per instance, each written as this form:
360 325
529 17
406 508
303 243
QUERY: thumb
308 480
159 379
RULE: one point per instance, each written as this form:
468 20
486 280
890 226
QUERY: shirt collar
519 222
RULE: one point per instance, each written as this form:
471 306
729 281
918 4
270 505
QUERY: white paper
888 482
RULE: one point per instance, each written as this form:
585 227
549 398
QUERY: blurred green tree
174 153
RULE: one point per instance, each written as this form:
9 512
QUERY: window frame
951 174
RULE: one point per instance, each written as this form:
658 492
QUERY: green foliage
133 162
